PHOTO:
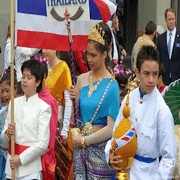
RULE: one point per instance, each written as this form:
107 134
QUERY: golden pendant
87 127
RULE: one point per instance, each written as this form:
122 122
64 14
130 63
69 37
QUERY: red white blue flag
41 23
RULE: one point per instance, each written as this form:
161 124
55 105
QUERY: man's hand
73 92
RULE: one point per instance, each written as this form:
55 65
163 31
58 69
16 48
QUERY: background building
134 15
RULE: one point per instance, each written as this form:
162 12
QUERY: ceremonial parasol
172 99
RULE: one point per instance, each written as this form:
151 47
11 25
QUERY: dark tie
169 44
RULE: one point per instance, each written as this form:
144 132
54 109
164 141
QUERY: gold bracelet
7 134
83 142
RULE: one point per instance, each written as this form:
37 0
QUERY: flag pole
66 14
12 84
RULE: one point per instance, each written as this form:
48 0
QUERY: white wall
4 22
146 12
152 10
162 5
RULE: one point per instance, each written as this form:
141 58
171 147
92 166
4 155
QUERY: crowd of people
50 144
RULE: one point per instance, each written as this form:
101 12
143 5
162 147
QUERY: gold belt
94 128
76 131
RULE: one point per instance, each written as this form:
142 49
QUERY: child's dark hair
44 68
36 69
122 81
19 89
109 64
162 71
7 77
147 53
150 28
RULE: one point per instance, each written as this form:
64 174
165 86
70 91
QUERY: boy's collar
141 93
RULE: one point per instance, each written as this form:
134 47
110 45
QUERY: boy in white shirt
31 127
153 123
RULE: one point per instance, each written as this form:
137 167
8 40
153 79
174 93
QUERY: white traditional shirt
32 118
154 127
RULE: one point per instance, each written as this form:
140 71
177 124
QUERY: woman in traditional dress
58 82
97 94
48 159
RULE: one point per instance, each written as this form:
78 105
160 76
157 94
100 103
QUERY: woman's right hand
73 92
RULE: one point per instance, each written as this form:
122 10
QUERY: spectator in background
139 34
22 54
80 62
5 86
169 47
146 39
160 85
7 49
117 49
159 31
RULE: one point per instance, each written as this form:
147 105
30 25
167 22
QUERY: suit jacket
119 48
172 66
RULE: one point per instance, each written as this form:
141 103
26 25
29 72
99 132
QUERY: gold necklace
92 87
88 125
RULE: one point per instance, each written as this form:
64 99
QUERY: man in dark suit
168 45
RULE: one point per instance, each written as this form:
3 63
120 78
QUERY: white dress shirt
172 40
115 53
154 127
32 118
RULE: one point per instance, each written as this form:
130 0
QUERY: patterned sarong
90 163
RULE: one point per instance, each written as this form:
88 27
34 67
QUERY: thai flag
33 30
